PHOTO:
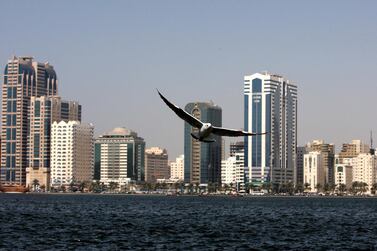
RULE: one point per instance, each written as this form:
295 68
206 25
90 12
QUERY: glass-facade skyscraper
23 78
202 160
270 106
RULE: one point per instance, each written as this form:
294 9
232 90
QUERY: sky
112 55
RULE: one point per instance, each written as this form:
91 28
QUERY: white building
364 169
343 175
72 152
119 157
314 171
177 169
232 169
270 106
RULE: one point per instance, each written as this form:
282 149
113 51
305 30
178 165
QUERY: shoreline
197 195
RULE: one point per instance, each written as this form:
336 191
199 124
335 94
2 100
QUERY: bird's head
207 125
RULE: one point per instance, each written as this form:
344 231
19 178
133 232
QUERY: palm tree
363 187
342 188
191 188
307 186
216 186
43 187
374 188
290 188
197 187
326 187
82 186
35 184
318 187
113 186
300 188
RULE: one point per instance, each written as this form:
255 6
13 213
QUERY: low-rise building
232 169
343 175
156 164
177 169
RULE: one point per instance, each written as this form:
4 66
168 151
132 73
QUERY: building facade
343 175
156 164
352 150
202 160
119 157
364 169
301 151
328 157
232 170
270 105
43 111
23 78
236 147
176 168
72 153
314 171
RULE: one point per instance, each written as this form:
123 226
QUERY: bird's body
205 129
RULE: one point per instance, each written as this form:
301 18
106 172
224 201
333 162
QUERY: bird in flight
205 129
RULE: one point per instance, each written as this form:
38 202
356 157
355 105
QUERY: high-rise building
176 168
43 111
270 106
314 171
156 164
202 160
364 169
328 157
72 153
119 157
23 78
301 151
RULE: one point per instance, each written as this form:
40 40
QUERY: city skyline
128 49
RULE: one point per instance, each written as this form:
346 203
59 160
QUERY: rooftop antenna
372 151
371 139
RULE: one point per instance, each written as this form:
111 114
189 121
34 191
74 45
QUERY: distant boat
13 189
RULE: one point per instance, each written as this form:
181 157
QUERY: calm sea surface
116 222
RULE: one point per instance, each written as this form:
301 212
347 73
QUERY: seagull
205 129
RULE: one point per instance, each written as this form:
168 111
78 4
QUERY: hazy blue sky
111 55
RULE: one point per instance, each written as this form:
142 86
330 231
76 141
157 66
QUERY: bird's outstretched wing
233 133
182 113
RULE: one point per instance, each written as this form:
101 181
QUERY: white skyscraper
314 171
72 152
270 106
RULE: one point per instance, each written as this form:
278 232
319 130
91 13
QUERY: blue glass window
9 93
36 146
14 134
9 133
7 178
9 120
37 108
257 85
8 161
